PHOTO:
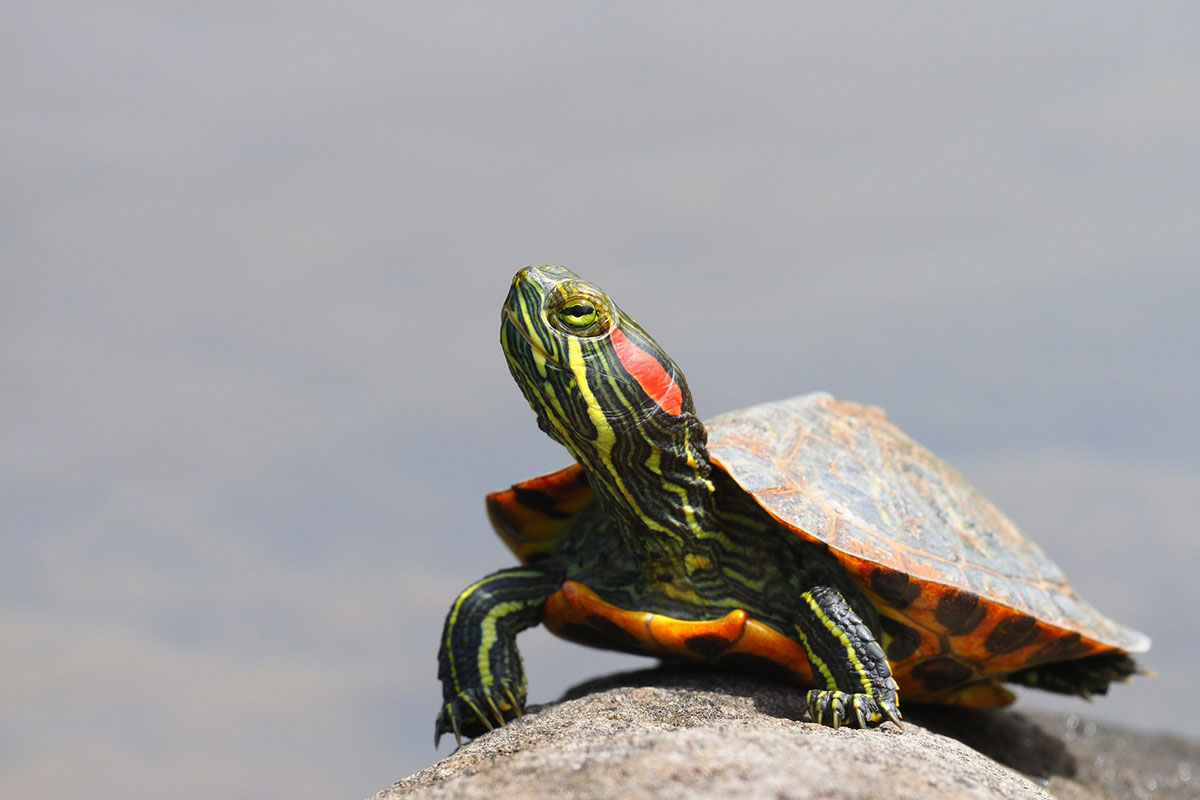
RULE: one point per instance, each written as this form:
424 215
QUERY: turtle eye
577 315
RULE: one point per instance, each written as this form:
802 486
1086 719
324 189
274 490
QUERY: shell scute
959 612
893 586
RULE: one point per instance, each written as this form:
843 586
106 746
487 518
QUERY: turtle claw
893 714
835 708
516 706
474 712
447 721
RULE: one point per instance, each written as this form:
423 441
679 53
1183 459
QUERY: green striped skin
668 534
832 634
483 622
585 399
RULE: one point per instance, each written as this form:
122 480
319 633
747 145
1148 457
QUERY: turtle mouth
509 319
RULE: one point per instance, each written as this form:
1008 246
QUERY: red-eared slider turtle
808 538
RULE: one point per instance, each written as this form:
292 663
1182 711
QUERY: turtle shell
955 582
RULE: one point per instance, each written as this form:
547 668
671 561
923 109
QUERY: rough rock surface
671 733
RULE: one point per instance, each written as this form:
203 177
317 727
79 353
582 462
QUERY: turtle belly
734 641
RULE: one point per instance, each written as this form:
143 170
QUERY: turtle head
602 387
587 368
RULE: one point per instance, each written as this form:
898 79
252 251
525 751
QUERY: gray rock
671 733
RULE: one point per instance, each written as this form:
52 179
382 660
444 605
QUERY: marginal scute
903 641
942 672
959 612
532 516
894 587
537 500
1060 649
1012 633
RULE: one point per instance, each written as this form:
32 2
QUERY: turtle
808 540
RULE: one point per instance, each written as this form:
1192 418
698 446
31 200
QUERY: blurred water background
251 262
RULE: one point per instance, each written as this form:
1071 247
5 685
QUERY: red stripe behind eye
649 373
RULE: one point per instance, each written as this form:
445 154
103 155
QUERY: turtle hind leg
859 687
1081 676
483 681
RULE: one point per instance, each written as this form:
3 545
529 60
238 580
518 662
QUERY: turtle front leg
859 688
483 681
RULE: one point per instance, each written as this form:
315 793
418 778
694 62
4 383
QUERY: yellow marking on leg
452 620
842 637
489 637
450 623
830 683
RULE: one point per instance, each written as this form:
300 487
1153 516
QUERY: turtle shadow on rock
1005 736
